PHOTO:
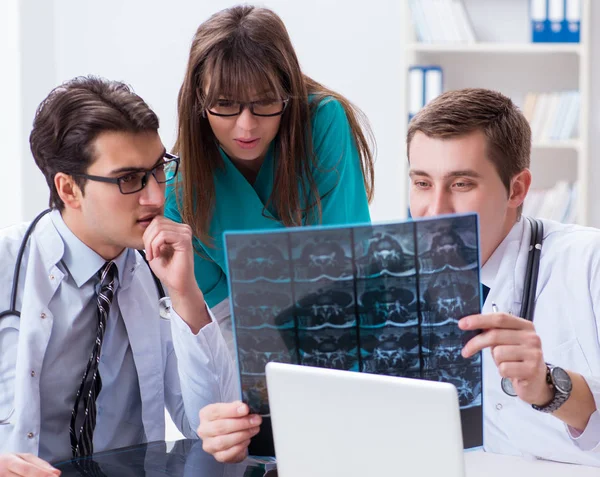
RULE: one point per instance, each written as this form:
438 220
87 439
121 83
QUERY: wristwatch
559 380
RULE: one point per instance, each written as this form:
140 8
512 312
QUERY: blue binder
425 83
555 21
572 26
556 18
540 26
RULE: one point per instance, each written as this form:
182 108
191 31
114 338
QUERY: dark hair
460 112
73 115
235 51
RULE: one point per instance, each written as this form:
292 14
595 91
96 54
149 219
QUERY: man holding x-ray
87 360
469 151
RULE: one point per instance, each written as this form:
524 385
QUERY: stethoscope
530 284
164 302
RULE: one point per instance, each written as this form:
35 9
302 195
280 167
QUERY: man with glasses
86 362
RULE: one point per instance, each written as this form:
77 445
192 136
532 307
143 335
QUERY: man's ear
519 187
68 190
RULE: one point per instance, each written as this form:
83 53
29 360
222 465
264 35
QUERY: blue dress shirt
119 404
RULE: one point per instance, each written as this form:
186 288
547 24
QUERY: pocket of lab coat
9 334
569 355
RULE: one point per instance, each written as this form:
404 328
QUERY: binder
433 83
539 21
556 17
416 90
572 25
424 84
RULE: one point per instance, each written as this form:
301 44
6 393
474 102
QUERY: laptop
340 423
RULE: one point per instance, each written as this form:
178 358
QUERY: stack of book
557 203
553 116
441 21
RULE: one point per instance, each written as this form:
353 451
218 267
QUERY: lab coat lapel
42 279
507 289
138 302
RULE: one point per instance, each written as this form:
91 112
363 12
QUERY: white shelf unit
557 158
495 47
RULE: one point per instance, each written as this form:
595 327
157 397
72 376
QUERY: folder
556 17
416 90
424 84
433 83
539 21
572 26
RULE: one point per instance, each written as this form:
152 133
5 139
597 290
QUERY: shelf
500 48
549 144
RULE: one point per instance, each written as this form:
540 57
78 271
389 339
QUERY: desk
484 464
186 458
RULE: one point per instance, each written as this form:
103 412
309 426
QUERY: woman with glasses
262 145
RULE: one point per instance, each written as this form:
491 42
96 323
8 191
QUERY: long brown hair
234 50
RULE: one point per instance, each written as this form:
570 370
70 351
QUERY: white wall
351 46
10 113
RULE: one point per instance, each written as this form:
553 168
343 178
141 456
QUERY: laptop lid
329 422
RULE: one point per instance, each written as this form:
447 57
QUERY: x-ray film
382 299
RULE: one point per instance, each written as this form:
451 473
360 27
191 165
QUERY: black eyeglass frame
250 106
117 180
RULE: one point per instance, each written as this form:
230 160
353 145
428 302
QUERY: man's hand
516 349
226 429
25 465
170 253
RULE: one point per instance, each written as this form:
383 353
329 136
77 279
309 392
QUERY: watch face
561 380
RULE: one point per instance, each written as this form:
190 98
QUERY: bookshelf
500 48
503 58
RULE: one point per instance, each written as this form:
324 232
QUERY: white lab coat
566 319
198 372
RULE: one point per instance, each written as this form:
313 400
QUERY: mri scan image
391 350
386 250
325 304
260 303
382 299
334 348
449 295
392 301
448 244
255 257
467 380
441 346
259 346
325 255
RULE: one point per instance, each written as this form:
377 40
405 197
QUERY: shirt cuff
589 439
206 351
183 327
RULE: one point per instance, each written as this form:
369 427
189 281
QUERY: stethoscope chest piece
507 387
164 308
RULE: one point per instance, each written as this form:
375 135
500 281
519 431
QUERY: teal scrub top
240 205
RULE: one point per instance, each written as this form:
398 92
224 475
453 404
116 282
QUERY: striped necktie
91 384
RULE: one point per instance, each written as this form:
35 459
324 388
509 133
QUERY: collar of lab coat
489 271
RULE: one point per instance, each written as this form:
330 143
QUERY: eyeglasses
264 107
135 181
